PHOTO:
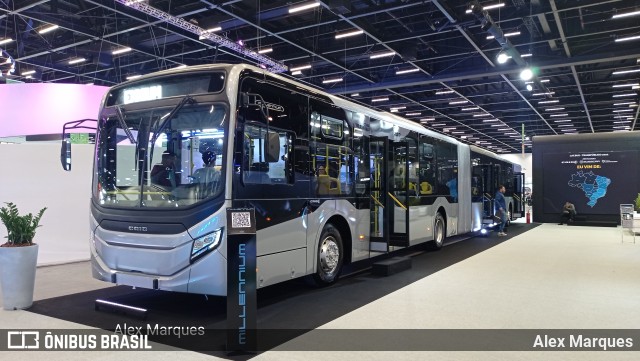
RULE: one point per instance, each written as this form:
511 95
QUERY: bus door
488 181
379 219
398 194
518 194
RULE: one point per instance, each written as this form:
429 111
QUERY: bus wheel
330 256
438 232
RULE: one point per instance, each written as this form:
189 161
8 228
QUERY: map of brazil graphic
594 186
596 182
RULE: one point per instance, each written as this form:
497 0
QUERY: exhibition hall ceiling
434 62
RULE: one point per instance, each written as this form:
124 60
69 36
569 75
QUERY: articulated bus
332 182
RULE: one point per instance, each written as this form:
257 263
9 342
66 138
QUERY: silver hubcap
439 231
329 255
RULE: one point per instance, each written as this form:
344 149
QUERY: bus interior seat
328 185
426 188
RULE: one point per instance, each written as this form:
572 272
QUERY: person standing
500 207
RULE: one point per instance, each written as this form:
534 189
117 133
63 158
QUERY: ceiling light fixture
493 6
427 119
334 80
481 115
48 29
412 114
382 55
490 120
544 80
5 41
296 9
623 110
526 74
301 67
513 33
297 72
458 102
529 87
397 108
121 51
76 61
562 121
560 115
628 38
622 122
407 71
213 30
546 93
502 57
526 55
355 94
548 101
131 77
625 85
624 15
28 72
380 99
618 72
553 109
265 50
438 125
469 109
624 95
349 33
441 92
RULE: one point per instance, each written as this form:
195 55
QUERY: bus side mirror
65 154
272 147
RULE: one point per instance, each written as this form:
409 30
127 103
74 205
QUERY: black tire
439 232
329 257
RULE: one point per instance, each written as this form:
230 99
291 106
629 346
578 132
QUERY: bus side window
267 157
427 171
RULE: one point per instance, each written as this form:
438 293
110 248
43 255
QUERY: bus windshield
183 166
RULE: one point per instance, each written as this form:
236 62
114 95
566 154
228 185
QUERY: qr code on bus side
241 219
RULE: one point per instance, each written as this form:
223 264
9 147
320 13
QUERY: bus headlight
204 244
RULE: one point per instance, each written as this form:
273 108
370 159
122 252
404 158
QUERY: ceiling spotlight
526 74
529 87
502 57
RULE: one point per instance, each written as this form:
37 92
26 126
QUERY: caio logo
20 340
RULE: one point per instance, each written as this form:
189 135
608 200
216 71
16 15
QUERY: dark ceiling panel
572 46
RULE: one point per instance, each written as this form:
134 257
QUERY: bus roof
342 102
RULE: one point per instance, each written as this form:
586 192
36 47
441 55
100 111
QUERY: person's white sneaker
501 234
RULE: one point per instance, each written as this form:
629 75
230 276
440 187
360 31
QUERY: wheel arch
341 224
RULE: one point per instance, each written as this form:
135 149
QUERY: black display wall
595 172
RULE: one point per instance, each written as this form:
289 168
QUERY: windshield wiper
124 125
167 118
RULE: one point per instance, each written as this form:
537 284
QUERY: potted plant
18 257
637 203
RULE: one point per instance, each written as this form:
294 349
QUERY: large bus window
447 159
427 170
267 155
288 110
152 164
333 170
